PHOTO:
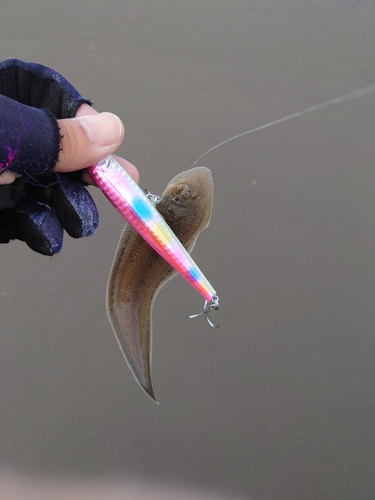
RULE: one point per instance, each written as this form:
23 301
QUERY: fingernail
103 129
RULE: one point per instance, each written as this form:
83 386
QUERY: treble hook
154 198
208 306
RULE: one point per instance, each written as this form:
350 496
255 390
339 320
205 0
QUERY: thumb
86 140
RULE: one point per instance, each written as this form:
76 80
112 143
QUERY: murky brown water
278 404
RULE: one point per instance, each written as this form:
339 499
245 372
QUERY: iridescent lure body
139 211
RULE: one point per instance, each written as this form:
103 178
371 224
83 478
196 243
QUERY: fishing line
337 100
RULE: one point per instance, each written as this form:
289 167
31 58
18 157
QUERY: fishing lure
137 208
138 272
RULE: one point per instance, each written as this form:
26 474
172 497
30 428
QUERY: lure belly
137 209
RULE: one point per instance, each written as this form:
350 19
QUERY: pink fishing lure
138 210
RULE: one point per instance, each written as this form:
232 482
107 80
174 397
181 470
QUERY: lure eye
177 199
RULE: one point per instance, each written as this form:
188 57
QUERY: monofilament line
337 100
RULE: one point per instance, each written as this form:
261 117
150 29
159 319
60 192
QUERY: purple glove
37 206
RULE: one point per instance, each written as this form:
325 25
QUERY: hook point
208 306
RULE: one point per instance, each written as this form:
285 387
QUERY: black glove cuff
41 87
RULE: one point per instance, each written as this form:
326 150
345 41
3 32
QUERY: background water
278 404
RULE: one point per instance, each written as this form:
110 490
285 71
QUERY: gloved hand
39 204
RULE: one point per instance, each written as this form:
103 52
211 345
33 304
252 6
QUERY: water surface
278 404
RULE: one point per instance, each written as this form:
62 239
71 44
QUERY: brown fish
138 272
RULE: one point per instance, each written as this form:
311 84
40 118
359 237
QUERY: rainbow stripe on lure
137 209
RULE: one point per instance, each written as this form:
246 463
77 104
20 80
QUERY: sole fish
138 272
